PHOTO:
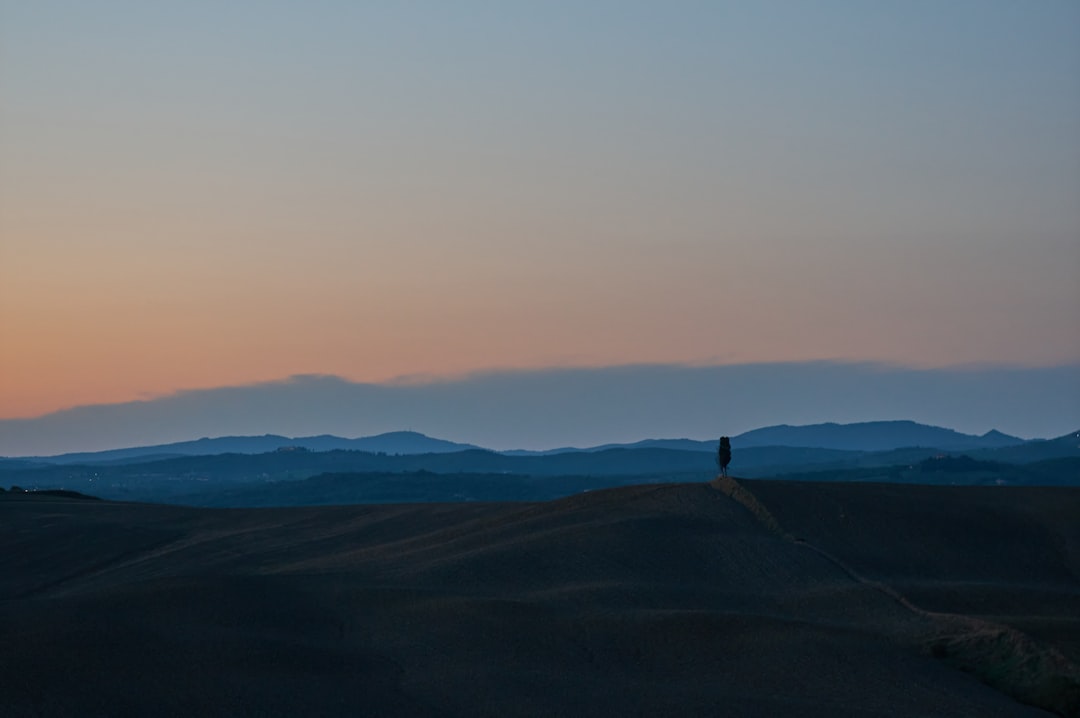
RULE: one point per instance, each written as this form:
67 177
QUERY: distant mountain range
286 478
252 471
873 436
395 442
865 436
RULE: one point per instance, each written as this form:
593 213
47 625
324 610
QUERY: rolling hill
689 599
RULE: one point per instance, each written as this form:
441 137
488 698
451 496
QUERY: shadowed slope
989 551
651 600
997 569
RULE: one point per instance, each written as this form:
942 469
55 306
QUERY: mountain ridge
857 436
445 475
874 436
861 436
392 442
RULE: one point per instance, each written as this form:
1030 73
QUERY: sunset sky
205 194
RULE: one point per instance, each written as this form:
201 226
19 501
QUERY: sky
204 194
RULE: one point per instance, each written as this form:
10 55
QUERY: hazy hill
161 480
426 486
301 478
6 464
1061 447
674 444
949 471
198 477
863 436
395 442
872 436
867 436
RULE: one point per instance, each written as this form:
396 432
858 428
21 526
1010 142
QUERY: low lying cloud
576 407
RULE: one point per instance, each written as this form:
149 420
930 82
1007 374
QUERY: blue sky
198 195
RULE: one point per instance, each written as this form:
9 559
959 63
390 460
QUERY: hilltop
658 600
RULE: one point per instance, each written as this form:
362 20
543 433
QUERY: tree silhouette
723 456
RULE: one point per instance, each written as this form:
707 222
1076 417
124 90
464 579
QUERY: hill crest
873 436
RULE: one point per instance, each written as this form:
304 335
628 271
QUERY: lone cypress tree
723 456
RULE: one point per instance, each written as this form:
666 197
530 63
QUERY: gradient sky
200 194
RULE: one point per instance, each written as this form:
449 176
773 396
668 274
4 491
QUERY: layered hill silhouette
874 436
741 599
864 436
395 442
296 474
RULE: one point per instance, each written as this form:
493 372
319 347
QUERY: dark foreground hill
761 599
